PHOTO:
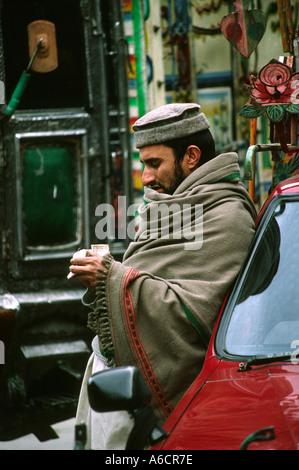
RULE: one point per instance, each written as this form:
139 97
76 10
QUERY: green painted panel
49 194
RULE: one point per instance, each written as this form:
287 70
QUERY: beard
173 183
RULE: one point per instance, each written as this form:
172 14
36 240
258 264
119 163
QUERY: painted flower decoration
286 167
274 91
274 85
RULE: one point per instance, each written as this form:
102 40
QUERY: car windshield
265 318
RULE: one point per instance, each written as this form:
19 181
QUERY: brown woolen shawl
157 309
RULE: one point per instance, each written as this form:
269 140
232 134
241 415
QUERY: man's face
161 170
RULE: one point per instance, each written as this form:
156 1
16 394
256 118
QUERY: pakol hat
169 122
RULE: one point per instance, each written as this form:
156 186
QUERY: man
156 310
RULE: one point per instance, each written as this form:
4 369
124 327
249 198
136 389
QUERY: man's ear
192 157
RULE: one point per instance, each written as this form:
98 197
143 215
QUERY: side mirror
123 388
43 58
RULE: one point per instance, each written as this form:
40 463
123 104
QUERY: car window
265 319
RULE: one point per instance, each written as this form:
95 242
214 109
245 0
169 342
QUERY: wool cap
168 122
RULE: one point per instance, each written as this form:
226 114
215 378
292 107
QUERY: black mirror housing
121 388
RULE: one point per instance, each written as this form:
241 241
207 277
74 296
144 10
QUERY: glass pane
50 196
265 320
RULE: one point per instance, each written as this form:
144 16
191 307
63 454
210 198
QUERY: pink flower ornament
275 90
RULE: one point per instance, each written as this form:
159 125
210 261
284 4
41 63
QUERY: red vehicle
247 394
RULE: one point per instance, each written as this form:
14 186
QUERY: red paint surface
224 406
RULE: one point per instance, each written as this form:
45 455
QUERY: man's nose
148 177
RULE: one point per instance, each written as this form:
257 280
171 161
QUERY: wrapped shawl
157 309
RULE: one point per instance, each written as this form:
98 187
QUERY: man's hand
86 269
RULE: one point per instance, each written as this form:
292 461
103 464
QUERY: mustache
156 186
